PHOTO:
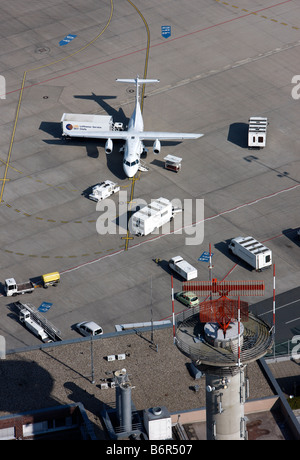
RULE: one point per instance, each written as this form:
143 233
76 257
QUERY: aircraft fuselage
134 146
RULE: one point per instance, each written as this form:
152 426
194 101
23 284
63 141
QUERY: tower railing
190 339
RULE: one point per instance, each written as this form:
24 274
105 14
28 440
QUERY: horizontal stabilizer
165 136
137 80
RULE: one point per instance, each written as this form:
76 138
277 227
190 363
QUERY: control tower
221 337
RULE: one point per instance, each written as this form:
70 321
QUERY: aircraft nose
130 171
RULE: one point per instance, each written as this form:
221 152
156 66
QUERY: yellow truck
51 279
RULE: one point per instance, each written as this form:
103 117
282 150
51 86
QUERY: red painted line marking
220 214
151 46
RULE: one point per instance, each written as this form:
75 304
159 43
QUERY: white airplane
135 134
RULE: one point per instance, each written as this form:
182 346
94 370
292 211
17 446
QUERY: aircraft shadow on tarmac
117 114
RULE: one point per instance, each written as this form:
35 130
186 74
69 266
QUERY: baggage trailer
251 251
11 288
183 268
257 133
51 279
151 217
86 124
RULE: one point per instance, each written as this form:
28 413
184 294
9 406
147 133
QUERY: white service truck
152 216
256 254
37 323
83 125
11 288
33 326
183 268
103 190
257 132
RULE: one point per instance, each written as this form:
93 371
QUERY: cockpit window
132 163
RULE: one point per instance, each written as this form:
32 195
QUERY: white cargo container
85 124
183 268
251 251
151 217
257 133
103 190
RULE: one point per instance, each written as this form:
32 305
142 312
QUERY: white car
89 328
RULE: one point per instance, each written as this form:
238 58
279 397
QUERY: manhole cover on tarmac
42 50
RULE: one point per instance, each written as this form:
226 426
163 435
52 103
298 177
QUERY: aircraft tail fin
137 82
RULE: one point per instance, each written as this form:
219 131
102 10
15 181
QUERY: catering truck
183 268
11 288
251 251
152 216
82 125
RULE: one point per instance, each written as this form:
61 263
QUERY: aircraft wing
165 136
123 135
143 135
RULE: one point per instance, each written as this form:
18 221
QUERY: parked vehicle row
33 320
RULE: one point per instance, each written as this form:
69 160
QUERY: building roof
63 374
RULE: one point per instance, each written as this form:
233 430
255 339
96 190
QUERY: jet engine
156 147
108 146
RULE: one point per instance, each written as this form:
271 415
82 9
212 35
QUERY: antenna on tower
210 267
221 337
239 333
274 309
223 310
173 312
